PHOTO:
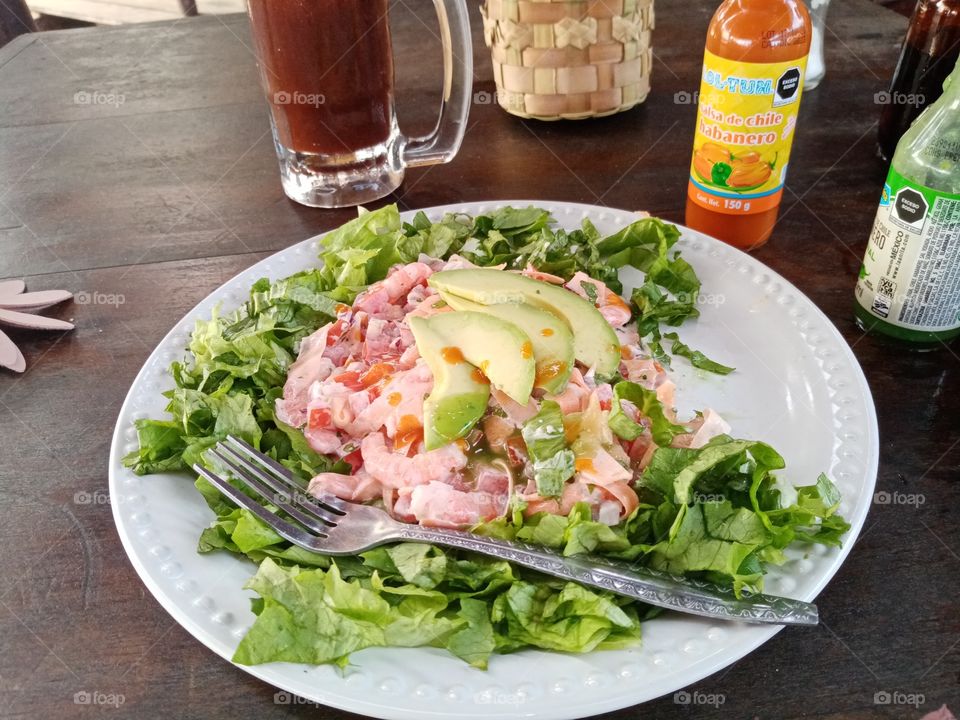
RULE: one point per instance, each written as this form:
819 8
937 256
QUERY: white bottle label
911 271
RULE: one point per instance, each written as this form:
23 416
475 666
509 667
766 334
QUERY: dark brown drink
327 68
929 53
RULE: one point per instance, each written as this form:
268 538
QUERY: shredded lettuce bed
714 512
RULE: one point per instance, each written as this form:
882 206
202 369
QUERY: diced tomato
319 418
355 459
349 378
606 404
516 450
377 372
335 332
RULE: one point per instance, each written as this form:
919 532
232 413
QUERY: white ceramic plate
797 386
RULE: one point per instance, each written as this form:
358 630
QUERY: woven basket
569 59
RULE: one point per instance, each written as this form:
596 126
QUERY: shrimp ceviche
487 374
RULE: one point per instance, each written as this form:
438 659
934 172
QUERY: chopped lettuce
646 401
472 608
553 461
696 358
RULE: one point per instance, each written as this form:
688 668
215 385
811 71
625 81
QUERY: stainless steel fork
330 526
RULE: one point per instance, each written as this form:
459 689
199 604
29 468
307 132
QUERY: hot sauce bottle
753 68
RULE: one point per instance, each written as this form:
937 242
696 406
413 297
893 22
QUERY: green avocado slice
595 343
502 351
551 337
460 391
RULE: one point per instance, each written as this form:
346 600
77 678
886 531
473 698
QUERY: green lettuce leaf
696 358
553 461
646 401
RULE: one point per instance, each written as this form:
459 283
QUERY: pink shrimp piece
397 503
577 492
402 395
629 338
516 413
322 440
397 470
575 396
393 289
603 470
437 504
613 308
666 395
573 492
431 305
409 357
311 366
641 370
496 431
705 428
360 487
531 272
536 504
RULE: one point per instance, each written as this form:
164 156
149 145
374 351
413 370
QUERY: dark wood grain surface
136 161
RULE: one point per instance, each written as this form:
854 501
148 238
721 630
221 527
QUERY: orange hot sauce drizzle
549 371
409 432
452 355
584 465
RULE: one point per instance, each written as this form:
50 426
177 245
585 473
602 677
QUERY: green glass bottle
909 284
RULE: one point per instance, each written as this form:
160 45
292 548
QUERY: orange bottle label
746 116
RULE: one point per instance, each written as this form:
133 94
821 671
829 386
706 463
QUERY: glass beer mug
327 71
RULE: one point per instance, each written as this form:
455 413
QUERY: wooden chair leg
15 19
189 7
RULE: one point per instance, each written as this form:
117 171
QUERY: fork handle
693 597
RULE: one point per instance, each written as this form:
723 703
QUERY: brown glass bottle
929 53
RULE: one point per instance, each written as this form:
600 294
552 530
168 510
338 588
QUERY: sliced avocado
500 349
551 337
460 391
595 343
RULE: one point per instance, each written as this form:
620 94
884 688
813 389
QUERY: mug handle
442 144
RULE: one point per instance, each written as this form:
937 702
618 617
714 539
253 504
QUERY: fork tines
270 480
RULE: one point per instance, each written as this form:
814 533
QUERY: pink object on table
943 713
16 307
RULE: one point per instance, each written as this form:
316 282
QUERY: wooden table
137 162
